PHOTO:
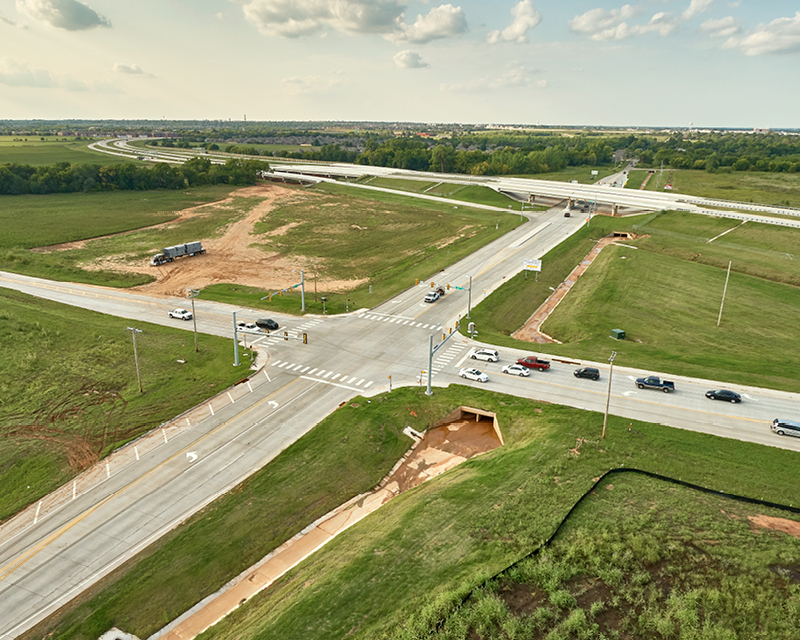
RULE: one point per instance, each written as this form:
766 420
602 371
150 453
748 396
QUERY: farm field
70 392
686 275
740 186
397 573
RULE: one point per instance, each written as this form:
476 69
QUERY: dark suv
587 372
267 323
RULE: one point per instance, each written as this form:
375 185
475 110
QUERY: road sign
533 265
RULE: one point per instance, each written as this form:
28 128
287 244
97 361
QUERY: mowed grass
741 186
377 241
669 307
425 548
52 150
70 393
44 220
666 296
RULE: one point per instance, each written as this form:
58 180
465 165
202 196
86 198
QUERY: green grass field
43 220
741 186
51 150
686 275
394 573
70 394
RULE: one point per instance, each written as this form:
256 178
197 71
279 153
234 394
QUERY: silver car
474 374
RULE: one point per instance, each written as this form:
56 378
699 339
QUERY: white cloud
722 28
409 60
132 69
64 14
295 18
514 78
526 17
779 36
16 74
604 24
695 7
444 21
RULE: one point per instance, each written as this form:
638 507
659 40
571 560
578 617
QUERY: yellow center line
36 549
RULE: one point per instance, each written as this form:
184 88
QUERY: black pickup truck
654 382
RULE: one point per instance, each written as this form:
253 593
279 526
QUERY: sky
660 63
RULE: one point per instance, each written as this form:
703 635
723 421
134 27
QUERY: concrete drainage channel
463 434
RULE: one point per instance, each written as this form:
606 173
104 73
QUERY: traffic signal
285 335
305 338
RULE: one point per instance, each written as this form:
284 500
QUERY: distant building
760 130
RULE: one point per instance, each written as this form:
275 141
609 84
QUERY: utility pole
608 395
192 294
302 292
724 291
136 355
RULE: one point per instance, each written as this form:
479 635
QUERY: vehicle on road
516 370
490 355
532 362
785 427
723 394
267 323
180 314
587 372
168 254
654 382
433 296
474 374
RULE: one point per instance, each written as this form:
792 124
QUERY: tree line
64 177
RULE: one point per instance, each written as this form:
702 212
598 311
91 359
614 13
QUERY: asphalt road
48 558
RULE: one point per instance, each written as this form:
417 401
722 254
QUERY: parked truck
654 382
532 362
168 254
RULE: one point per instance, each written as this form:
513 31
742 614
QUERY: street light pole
136 355
235 342
302 292
469 299
192 294
429 392
608 394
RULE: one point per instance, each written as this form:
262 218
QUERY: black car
587 372
267 323
723 394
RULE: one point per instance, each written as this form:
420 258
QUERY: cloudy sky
652 62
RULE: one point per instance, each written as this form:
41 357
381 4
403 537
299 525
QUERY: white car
474 374
251 326
433 296
516 370
490 355
181 314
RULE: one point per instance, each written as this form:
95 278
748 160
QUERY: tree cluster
64 177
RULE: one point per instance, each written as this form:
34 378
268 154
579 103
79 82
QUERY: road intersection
48 557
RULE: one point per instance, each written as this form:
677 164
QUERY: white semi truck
168 254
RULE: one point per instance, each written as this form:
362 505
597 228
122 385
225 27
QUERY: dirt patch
231 258
776 524
443 448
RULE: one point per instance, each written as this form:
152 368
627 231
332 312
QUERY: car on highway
723 394
181 314
532 362
267 323
474 374
433 296
247 326
785 427
516 370
654 382
587 372
489 355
